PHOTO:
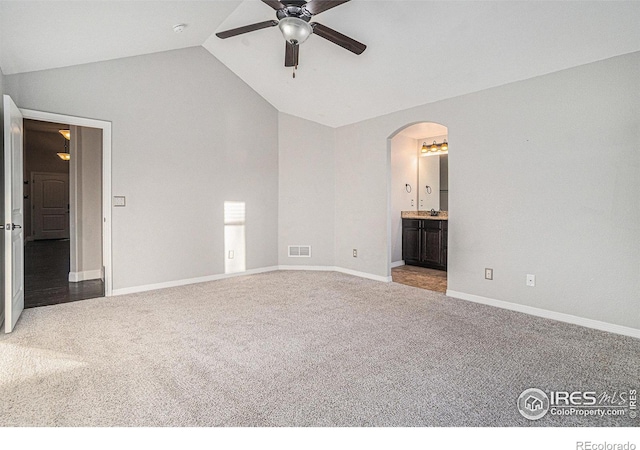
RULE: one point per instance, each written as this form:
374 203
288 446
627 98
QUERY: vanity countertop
442 215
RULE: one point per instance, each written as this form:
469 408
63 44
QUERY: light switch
119 200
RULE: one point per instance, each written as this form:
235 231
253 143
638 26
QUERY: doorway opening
418 213
63 213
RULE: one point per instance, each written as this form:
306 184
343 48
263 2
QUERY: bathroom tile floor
421 277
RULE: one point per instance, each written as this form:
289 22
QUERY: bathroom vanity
424 239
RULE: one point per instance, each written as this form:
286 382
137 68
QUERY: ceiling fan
293 21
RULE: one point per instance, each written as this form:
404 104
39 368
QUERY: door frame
389 191
105 126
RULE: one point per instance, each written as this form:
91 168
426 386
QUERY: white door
50 200
13 215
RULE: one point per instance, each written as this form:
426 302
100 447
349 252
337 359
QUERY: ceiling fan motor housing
294 9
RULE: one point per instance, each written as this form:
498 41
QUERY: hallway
46 275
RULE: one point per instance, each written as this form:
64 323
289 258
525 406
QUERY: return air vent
299 251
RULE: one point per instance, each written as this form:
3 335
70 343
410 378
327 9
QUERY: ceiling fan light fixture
295 30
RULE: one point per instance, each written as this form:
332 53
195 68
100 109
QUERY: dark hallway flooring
46 276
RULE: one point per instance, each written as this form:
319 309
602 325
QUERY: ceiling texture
417 51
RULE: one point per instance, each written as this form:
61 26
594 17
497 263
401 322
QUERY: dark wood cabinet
410 240
424 243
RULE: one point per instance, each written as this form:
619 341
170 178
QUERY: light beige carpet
297 349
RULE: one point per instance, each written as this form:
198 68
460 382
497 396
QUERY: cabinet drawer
432 224
410 223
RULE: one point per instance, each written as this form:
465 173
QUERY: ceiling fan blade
338 38
318 6
247 29
274 4
291 54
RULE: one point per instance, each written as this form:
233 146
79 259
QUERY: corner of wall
306 190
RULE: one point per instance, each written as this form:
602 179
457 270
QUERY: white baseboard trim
175 283
369 276
311 268
75 277
168 284
561 317
355 273
397 264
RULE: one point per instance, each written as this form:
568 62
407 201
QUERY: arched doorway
419 205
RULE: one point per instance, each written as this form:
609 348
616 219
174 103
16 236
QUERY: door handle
14 226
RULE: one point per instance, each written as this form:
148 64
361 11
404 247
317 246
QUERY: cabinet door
445 243
410 244
430 246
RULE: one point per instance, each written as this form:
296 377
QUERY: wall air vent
299 251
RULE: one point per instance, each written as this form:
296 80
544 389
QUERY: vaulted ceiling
417 51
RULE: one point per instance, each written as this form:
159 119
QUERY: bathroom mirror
433 182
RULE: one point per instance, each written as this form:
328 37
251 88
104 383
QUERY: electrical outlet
531 280
488 274
355 253
231 254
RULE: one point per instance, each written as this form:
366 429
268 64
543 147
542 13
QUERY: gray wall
543 178
2 91
187 135
404 170
86 199
306 206
90 146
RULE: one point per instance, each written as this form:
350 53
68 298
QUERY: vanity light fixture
66 134
435 148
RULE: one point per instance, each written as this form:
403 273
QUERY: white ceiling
36 35
418 51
